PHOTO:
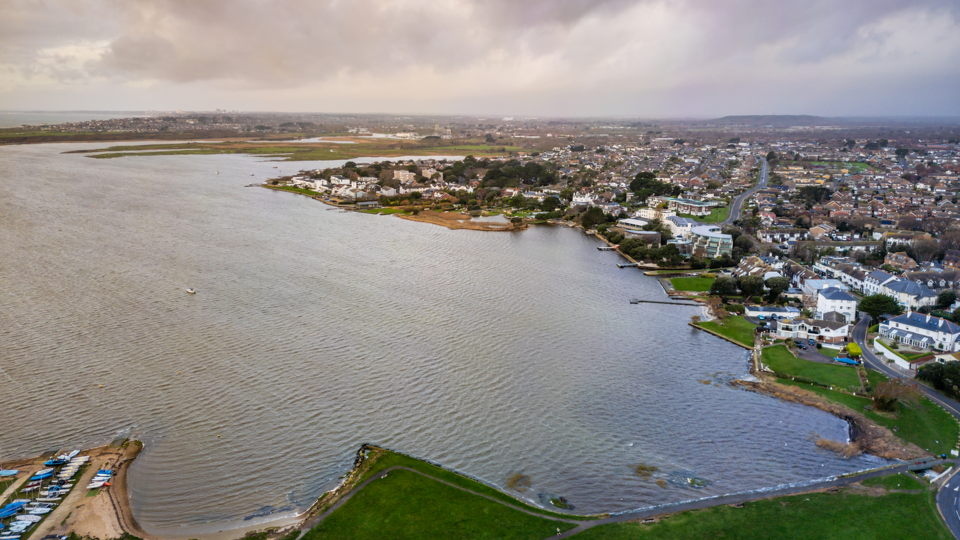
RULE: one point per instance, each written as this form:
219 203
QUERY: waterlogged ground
314 331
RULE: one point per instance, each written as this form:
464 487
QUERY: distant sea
12 119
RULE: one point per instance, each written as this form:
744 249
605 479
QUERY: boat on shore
9 472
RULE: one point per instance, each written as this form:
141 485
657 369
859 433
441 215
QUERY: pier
639 301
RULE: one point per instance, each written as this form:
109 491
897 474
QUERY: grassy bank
693 284
781 360
407 505
895 481
814 516
922 423
735 328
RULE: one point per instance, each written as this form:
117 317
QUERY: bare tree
887 394
924 249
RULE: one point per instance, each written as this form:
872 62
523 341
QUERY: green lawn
814 516
302 191
695 284
717 215
736 328
408 505
924 423
895 481
391 459
781 360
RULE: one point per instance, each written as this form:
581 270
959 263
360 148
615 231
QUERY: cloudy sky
511 57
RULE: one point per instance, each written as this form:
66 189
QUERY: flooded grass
646 471
519 482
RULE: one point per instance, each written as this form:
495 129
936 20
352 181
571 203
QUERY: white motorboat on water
191 290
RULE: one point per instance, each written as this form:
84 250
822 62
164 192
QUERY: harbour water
314 331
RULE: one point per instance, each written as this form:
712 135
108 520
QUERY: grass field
410 506
813 516
924 423
853 167
695 284
895 481
781 360
391 459
716 215
736 328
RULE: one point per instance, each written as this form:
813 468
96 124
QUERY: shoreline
104 514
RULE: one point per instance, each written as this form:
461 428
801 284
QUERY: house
771 312
875 280
812 287
777 236
755 266
819 331
837 301
709 242
922 331
901 261
822 230
680 226
909 294
685 206
655 213
404 176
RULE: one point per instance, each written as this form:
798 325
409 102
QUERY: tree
550 204
887 394
946 298
777 285
724 286
744 242
878 304
751 285
592 217
771 156
944 377
902 152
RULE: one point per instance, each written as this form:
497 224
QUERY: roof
879 275
913 289
926 322
682 221
833 293
711 231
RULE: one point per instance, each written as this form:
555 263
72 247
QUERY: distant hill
778 120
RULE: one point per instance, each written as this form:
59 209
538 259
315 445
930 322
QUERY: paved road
948 501
737 206
947 497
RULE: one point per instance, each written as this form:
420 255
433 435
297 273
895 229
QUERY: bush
894 345
736 308
709 275
854 349
819 346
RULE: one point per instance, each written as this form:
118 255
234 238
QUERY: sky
630 58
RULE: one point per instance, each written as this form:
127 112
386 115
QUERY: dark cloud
502 52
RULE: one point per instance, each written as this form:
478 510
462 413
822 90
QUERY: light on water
313 332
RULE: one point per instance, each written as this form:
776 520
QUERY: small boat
49 499
191 290
55 462
95 485
31 519
218 172
73 454
634 301
9 472
44 471
42 476
39 511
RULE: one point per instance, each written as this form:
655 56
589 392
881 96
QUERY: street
737 206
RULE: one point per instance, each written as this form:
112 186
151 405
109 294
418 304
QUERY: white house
836 301
680 227
909 294
923 331
875 280
814 286
820 331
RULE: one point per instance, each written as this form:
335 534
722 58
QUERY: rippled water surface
314 331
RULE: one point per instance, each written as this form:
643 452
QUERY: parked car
811 341
802 346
